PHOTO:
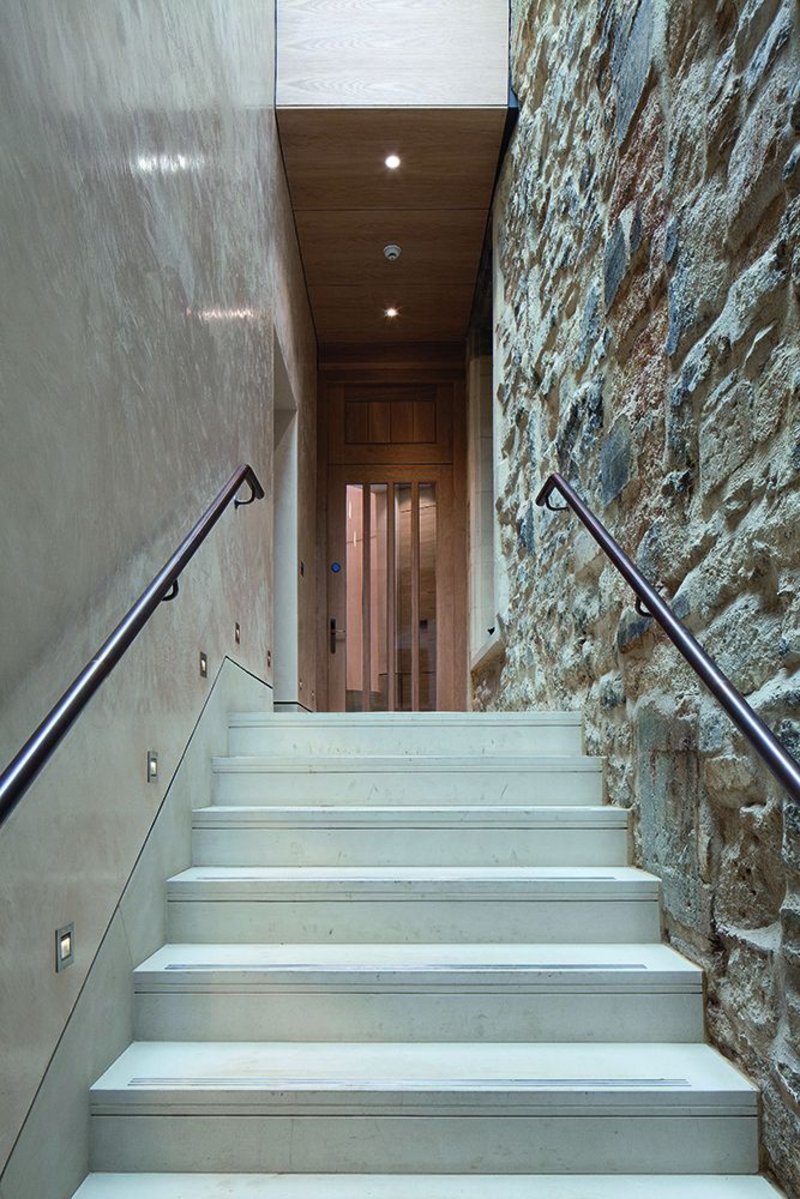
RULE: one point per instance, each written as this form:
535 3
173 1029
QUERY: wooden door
395 566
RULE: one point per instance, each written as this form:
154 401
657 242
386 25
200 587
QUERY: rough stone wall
647 332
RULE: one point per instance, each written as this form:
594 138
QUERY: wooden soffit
357 81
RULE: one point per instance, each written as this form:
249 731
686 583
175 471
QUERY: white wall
146 253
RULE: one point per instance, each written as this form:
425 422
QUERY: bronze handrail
784 767
23 768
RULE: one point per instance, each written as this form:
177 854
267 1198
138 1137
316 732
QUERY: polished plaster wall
52 1154
147 252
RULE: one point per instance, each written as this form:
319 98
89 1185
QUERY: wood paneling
408 361
438 247
402 422
387 53
335 158
389 422
357 313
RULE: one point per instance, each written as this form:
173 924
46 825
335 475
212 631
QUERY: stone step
409 835
418 993
424 1108
394 779
426 1186
458 733
413 904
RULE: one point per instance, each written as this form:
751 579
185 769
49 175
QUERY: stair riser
436 1144
410 847
353 1015
406 739
362 787
422 921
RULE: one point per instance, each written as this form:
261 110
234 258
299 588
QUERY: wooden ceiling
348 205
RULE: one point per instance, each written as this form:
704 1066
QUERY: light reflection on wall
226 314
167 164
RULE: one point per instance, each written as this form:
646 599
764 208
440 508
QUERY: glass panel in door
391 531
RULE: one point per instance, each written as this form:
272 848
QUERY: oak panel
410 362
380 53
438 246
420 423
335 158
357 314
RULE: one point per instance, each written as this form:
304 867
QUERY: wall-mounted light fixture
391 313
203 665
152 765
392 161
65 947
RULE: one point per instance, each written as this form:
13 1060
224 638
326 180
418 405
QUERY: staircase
411 945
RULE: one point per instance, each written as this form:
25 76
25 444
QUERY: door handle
336 634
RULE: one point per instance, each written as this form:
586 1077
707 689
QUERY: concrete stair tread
616 967
411 815
472 733
405 763
434 1077
400 719
426 1186
526 882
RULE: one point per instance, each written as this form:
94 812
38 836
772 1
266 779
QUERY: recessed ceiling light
393 162
391 313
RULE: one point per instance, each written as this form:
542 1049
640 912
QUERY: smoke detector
392 252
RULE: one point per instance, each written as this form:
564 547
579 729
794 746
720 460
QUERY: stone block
632 629
749 889
791 170
671 241
790 850
632 62
756 162
760 349
790 927
789 648
682 301
711 729
774 40
777 389
611 692
526 528
577 435
590 326
615 264
756 298
615 462
755 19
626 238
748 988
